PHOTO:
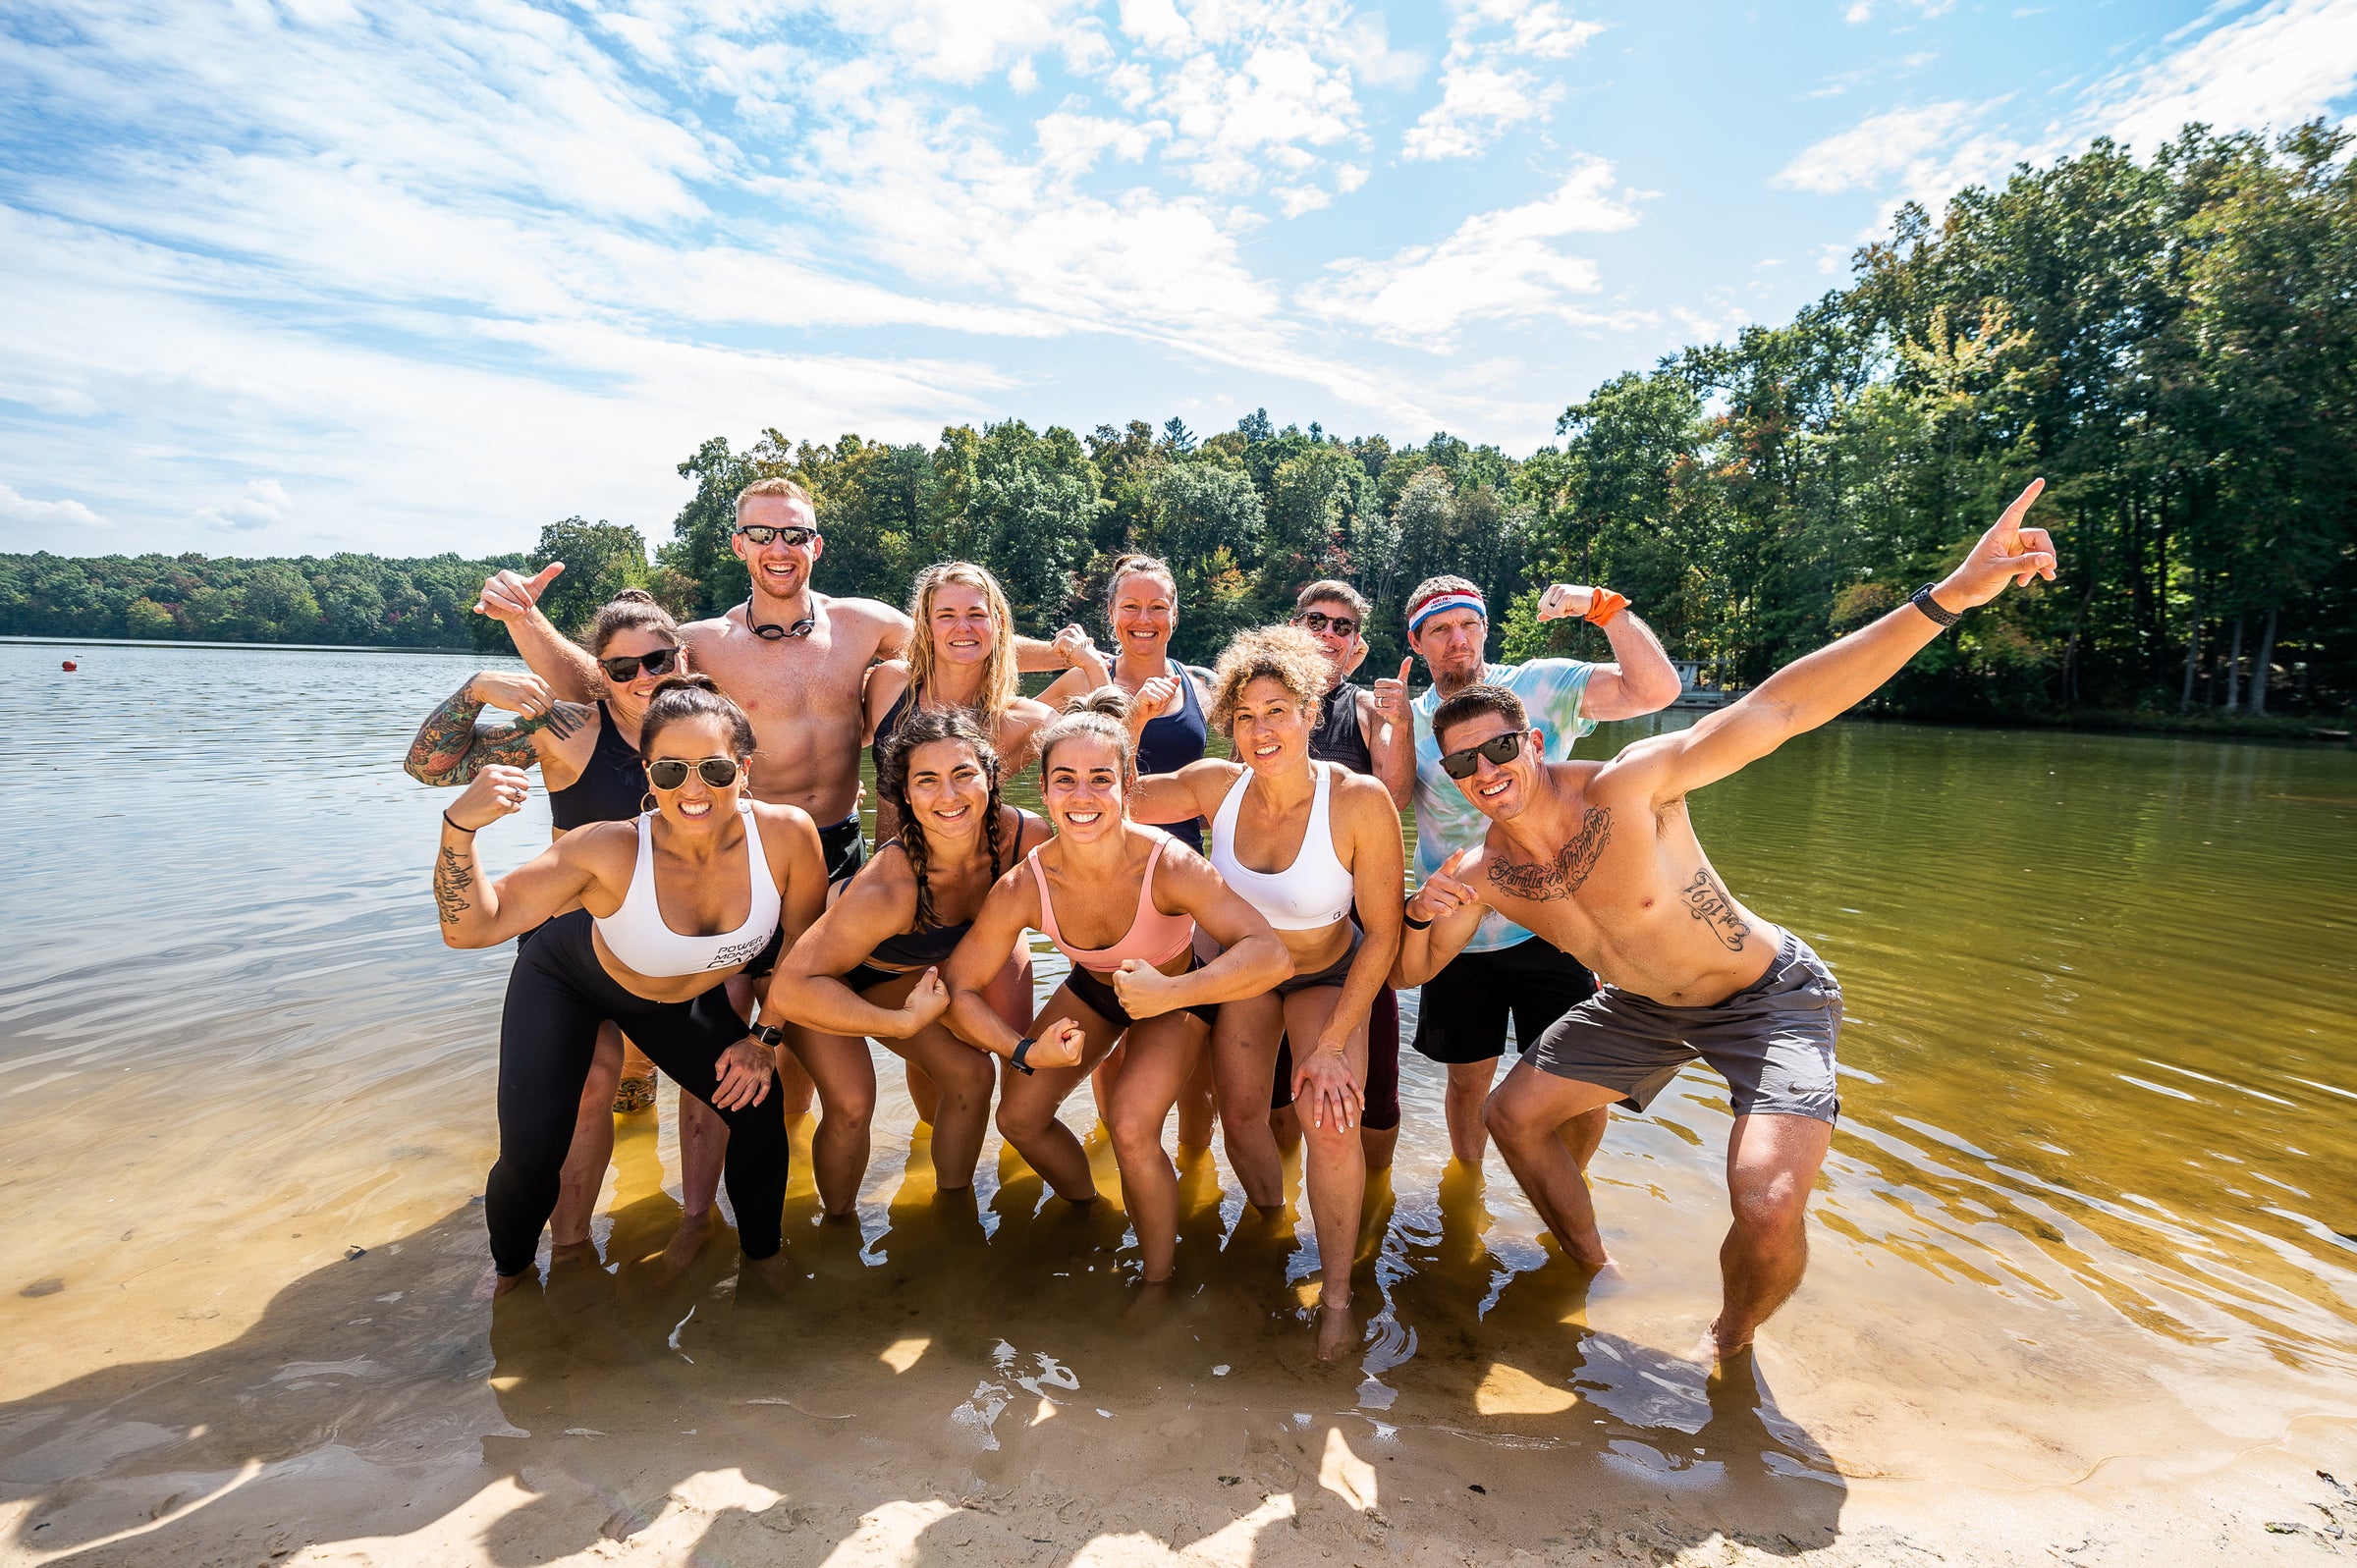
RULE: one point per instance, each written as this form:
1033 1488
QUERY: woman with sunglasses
642 923
589 758
871 965
1301 842
1122 902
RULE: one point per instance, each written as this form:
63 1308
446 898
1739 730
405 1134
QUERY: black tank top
1336 737
888 725
1170 743
611 787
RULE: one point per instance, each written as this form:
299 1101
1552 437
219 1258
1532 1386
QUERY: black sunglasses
669 773
1499 749
624 666
1319 620
771 632
762 533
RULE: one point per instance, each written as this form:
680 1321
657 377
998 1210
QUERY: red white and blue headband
1440 603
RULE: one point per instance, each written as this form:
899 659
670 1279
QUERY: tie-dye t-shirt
1446 821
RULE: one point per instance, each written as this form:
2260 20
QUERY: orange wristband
1605 605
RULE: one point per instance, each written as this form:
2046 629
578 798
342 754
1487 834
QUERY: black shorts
1466 1007
845 850
1096 992
1381 1093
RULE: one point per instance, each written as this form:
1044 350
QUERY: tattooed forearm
443 740
1561 877
453 877
1708 902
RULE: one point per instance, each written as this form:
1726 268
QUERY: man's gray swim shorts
1773 1041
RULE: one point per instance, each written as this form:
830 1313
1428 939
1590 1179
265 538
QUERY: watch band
1022 1049
769 1034
1411 922
1922 600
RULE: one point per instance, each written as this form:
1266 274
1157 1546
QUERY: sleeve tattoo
449 749
453 876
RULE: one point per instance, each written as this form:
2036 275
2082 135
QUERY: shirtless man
1601 859
795 660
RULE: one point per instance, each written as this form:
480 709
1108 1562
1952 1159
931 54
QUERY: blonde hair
1134 564
998 670
774 487
1287 655
1099 715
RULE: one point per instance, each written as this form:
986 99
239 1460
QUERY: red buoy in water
68 667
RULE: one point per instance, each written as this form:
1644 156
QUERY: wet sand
2081 1291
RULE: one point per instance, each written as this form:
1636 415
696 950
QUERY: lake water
2092 1196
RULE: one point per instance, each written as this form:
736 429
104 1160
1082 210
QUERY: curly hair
998 670
679 698
922 727
1287 655
1102 714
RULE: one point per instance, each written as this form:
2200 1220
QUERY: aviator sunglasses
670 773
762 533
1499 749
1319 620
624 666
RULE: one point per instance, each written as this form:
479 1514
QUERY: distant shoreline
280 647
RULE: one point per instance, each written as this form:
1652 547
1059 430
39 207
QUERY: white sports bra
1313 891
637 938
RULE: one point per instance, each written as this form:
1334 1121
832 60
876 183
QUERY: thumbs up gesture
510 596
1443 895
1390 694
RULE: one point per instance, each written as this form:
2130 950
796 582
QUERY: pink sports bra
1154 936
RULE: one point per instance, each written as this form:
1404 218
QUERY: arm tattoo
453 876
451 750
1707 902
443 742
1562 877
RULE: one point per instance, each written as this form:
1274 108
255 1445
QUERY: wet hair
773 487
1341 592
679 698
632 610
1472 703
1431 587
1287 655
1102 714
998 670
1134 564
923 728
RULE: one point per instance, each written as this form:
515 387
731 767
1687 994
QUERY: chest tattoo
1561 877
1708 902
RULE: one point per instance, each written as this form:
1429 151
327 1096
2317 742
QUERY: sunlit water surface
2092 1176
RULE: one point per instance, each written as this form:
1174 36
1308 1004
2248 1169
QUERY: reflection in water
2090 1196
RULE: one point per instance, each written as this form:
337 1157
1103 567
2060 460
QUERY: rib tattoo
1707 902
1561 877
453 876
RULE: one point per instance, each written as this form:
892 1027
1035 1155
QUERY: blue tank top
1171 741
612 785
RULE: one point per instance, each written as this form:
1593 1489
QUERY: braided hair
922 727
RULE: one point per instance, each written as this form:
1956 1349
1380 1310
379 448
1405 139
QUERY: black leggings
557 996
1381 1110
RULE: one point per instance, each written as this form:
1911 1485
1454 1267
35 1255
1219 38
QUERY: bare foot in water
685 1244
1337 1333
772 1273
1712 1350
573 1255
493 1284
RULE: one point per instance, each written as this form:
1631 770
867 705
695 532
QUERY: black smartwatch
1922 600
769 1034
1022 1049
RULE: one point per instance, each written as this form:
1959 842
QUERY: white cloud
1483 93
263 504
1915 148
1497 266
26 511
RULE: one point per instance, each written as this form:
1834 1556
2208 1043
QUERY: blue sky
309 275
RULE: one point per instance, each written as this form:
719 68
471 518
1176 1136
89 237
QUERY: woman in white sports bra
1301 842
1122 902
662 909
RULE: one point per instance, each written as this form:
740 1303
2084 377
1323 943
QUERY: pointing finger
1450 866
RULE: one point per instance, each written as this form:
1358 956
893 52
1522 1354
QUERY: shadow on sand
949 1383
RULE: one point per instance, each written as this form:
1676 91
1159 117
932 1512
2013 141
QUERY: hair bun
1111 701
686 680
632 596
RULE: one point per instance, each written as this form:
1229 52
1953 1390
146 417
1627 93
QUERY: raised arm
1438 920
807 987
1822 686
1391 741
450 750
478 912
1640 679
1012 908
1255 958
1069 649
514 601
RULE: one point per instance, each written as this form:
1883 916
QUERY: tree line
2171 342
